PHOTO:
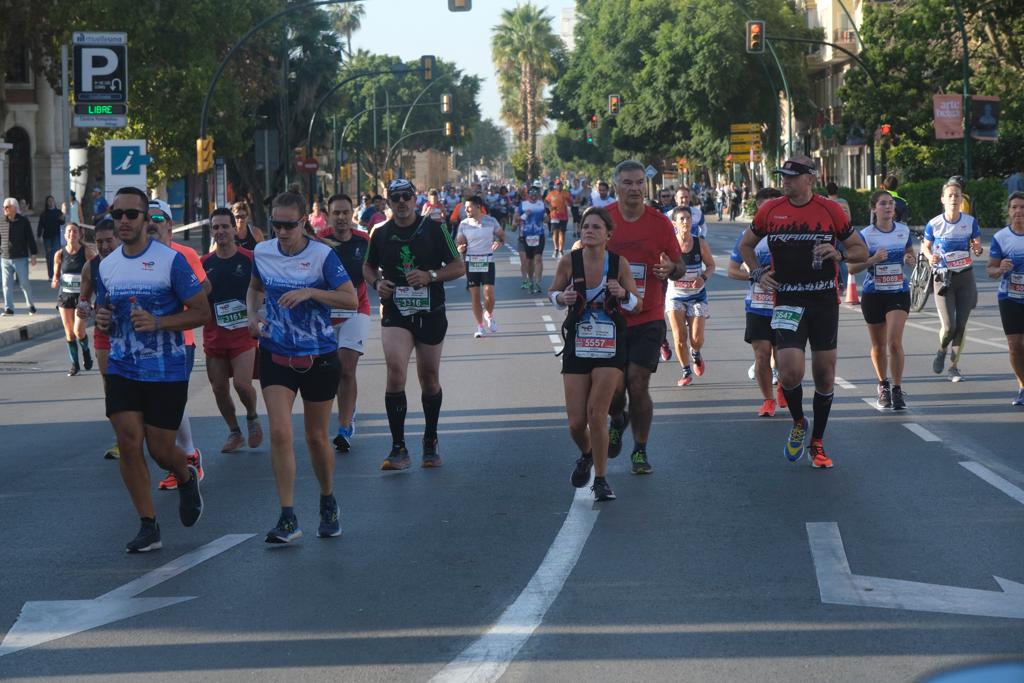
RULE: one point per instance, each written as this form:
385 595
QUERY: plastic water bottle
106 305
816 259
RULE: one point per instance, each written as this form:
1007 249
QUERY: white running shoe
750 371
479 332
492 324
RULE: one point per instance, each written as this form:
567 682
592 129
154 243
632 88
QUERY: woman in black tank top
67 279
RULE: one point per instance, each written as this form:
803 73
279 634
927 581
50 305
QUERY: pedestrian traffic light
446 103
204 154
755 37
593 120
448 128
614 102
460 5
427 66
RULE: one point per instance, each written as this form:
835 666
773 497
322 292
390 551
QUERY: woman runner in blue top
1006 263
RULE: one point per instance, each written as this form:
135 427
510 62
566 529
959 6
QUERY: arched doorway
19 164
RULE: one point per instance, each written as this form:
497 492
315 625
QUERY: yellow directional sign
746 128
744 137
743 148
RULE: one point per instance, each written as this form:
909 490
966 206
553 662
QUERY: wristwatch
433 275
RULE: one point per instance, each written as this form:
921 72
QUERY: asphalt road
720 566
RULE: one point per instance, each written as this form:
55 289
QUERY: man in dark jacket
16 246
51 222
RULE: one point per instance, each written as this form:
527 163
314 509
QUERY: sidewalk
21 326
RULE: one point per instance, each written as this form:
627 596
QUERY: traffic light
462 130
593 120
204 154
448 128
427 65
886 130
460 5
614 102
446 103
755 37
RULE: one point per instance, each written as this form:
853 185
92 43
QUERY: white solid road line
489 657
991 477
843 383
921 431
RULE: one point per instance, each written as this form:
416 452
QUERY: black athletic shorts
67 300
643 344
819 323
1012 315
876 305
426 328
481 278
759 328
318 383
558 225
162 404
531 252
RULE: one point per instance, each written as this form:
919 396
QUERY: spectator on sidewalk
51 222
17 248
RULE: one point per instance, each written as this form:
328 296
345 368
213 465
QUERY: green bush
988 200
858 201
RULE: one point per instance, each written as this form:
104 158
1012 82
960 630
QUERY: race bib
71 283
957 260
595 339
761 299
412 300
888 277
532 240
341 314
478 264
787 317
435 215
231 314
1015 287
639 272
689 281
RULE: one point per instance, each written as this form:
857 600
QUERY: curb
36 328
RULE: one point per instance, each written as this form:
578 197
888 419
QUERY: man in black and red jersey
647 239
351 326
803 230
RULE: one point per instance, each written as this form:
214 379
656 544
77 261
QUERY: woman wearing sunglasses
299 281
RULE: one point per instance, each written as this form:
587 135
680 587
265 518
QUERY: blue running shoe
1019 401
343 441
286 531
795 445
329 524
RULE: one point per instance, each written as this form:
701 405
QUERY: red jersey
228 327
642 242
197 267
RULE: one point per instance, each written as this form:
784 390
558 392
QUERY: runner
802 229
298 281
1006 262
955 234
645 237
532 215
67 276
479 237
602 198
588 282
885 301
682 198
686 302
408 261
147 295
350 326
230 349
558 202
759 303
247 235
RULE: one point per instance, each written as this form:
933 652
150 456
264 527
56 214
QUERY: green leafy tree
486 144
30 34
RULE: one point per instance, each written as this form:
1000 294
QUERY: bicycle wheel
920 285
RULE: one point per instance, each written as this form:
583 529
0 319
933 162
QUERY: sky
410 28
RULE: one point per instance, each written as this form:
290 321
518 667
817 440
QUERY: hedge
988 201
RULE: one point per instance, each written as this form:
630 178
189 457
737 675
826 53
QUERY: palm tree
347 19
523 47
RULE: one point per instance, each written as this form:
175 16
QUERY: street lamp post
967 90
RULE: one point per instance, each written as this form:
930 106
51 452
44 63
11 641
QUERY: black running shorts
318 383
477 279
162 404
1012 315
67 300
643 344
531 252
876 305
426 328
759 328
558 225
818 324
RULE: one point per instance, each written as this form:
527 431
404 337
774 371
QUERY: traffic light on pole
448 128
446 103
614 102
755 37
886 130
204 154
427 66
460 5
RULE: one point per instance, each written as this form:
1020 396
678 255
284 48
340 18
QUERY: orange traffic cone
851 291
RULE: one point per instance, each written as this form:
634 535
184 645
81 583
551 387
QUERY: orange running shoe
168 483
767 408
818 457
196 460
780 398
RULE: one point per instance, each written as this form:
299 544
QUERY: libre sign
101 78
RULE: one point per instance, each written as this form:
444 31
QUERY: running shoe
234 442
698 363
795 444
818 457
73 371
31 310
939 362
113 453
602 491
640 463
898 403
492 324
884 399
168 483
687 377
666 350
7 311
86 359
430 455
615 433
286 531
479 332
398 459
343 441
190 504
1019 401
780 398
536 289
255 432
581 473
767 408
196 460
775 377
525 285
147 539
751 371
329 524
954 375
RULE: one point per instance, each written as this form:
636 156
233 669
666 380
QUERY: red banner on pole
948 112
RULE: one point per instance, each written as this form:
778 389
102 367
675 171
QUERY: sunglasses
157 218
402 196
239 216
285 225
132 214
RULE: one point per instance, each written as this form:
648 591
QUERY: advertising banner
948 111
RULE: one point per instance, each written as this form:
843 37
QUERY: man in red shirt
646 238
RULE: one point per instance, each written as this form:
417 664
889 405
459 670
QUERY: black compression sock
795 399
431 414
84 343
639 447
395 404
73 353
822 408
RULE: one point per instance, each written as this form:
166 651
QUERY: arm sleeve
184 281
334 273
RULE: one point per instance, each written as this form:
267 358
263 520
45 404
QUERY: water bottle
106 305
816 259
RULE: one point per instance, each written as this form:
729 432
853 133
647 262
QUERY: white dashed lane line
844 384
550 327
921 431
991 477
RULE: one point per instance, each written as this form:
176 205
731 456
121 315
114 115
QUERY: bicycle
920 277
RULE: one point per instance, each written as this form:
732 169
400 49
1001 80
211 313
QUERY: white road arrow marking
43 621
839 586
